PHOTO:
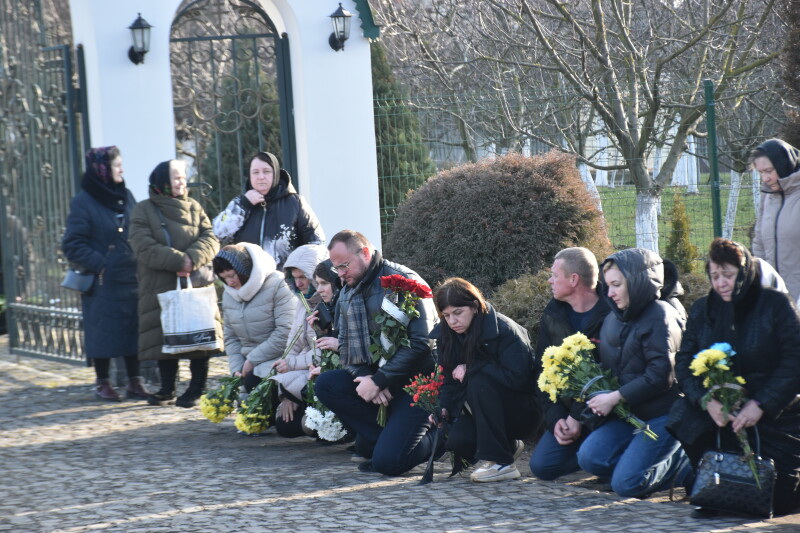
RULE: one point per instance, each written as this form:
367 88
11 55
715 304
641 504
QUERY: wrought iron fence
231 93
40 146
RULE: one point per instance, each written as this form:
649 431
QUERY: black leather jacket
408 361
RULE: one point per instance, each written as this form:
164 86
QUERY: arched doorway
231 93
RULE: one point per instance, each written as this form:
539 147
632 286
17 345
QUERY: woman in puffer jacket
258 309
269 213
777 235
292 371
638 342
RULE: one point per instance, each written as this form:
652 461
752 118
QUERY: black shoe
189 398
704 512
161 398
366 466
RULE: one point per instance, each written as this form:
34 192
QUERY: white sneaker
355 458
489 471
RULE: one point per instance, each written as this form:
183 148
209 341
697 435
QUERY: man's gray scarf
354 344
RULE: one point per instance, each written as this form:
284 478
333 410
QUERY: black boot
169 374
197 385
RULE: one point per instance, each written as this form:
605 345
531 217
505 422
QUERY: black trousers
102 367
499 417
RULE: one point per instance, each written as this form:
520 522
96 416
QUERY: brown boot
135 389
106 392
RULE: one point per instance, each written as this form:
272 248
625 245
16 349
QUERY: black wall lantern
140 31
341 28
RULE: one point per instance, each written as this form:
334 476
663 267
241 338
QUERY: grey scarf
354 344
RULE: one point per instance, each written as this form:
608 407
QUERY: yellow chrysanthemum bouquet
257 413
714 365
570 371
218 403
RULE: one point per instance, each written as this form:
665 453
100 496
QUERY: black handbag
78 280
725 482
203 276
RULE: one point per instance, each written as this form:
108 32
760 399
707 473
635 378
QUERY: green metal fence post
711 121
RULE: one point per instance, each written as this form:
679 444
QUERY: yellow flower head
740 380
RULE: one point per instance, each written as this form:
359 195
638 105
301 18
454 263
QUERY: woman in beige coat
777 233
292 372
193 245
259 308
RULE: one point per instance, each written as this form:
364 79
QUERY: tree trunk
647 220
733 204
692 170
601 176
756 190
590 185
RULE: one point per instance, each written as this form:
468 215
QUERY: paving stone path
70 464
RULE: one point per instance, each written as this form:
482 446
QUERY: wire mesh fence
421 134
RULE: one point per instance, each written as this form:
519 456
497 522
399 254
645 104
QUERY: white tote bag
188 319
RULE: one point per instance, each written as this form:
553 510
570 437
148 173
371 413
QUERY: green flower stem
749 456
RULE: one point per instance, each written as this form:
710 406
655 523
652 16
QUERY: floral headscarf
98 163
160 180
97 180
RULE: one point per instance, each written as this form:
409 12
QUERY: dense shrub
680 249
694 286
495 220
523 299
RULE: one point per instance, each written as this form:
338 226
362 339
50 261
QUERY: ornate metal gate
231 93
40 147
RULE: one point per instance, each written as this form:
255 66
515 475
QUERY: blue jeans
636 464
401 445
551 460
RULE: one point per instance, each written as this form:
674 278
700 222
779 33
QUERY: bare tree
563 71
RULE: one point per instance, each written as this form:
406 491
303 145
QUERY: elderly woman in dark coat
193 246
763 328
96 240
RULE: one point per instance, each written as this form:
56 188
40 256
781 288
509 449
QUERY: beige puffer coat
157 264
777 233
301 354
258 316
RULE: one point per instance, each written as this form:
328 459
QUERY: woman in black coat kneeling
763 328
489 384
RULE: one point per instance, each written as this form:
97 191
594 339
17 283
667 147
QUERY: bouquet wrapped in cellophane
570 371
318 417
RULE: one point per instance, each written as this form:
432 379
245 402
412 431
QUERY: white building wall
131 105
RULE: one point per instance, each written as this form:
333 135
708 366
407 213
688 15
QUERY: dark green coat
157 264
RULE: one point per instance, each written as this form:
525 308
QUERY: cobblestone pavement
70 464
